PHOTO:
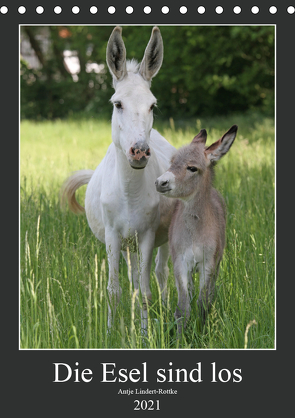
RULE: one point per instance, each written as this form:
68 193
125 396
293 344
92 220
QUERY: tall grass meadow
63 267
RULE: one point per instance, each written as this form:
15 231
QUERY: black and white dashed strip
147 10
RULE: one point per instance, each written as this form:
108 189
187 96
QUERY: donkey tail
76 180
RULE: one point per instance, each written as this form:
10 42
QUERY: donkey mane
132 66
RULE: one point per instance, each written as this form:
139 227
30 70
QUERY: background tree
207 70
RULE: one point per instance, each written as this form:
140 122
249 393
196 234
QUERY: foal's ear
219 148
153 56
201 137
116 55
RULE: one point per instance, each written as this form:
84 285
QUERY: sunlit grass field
63 268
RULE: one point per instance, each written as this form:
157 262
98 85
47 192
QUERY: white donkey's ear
219 148
153 55
116 55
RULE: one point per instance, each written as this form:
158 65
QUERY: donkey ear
219 148
153 56
116 55
201 137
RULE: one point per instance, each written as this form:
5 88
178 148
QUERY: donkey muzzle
139 155
162 185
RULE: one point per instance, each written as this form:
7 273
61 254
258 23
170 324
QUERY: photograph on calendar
147 186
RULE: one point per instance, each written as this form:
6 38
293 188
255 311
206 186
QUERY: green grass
63 300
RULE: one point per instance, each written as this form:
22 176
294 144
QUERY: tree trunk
35 44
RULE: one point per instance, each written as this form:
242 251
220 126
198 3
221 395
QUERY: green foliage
207 70
218 69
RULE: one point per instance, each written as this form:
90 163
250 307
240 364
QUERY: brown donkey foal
197 230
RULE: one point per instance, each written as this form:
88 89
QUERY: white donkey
197 230
121 204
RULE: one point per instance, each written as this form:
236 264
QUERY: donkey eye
192 169
118 105
152 106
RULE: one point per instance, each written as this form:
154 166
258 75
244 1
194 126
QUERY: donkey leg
134 268
208 276
133 273
162 270
146 245
113 247
183 280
